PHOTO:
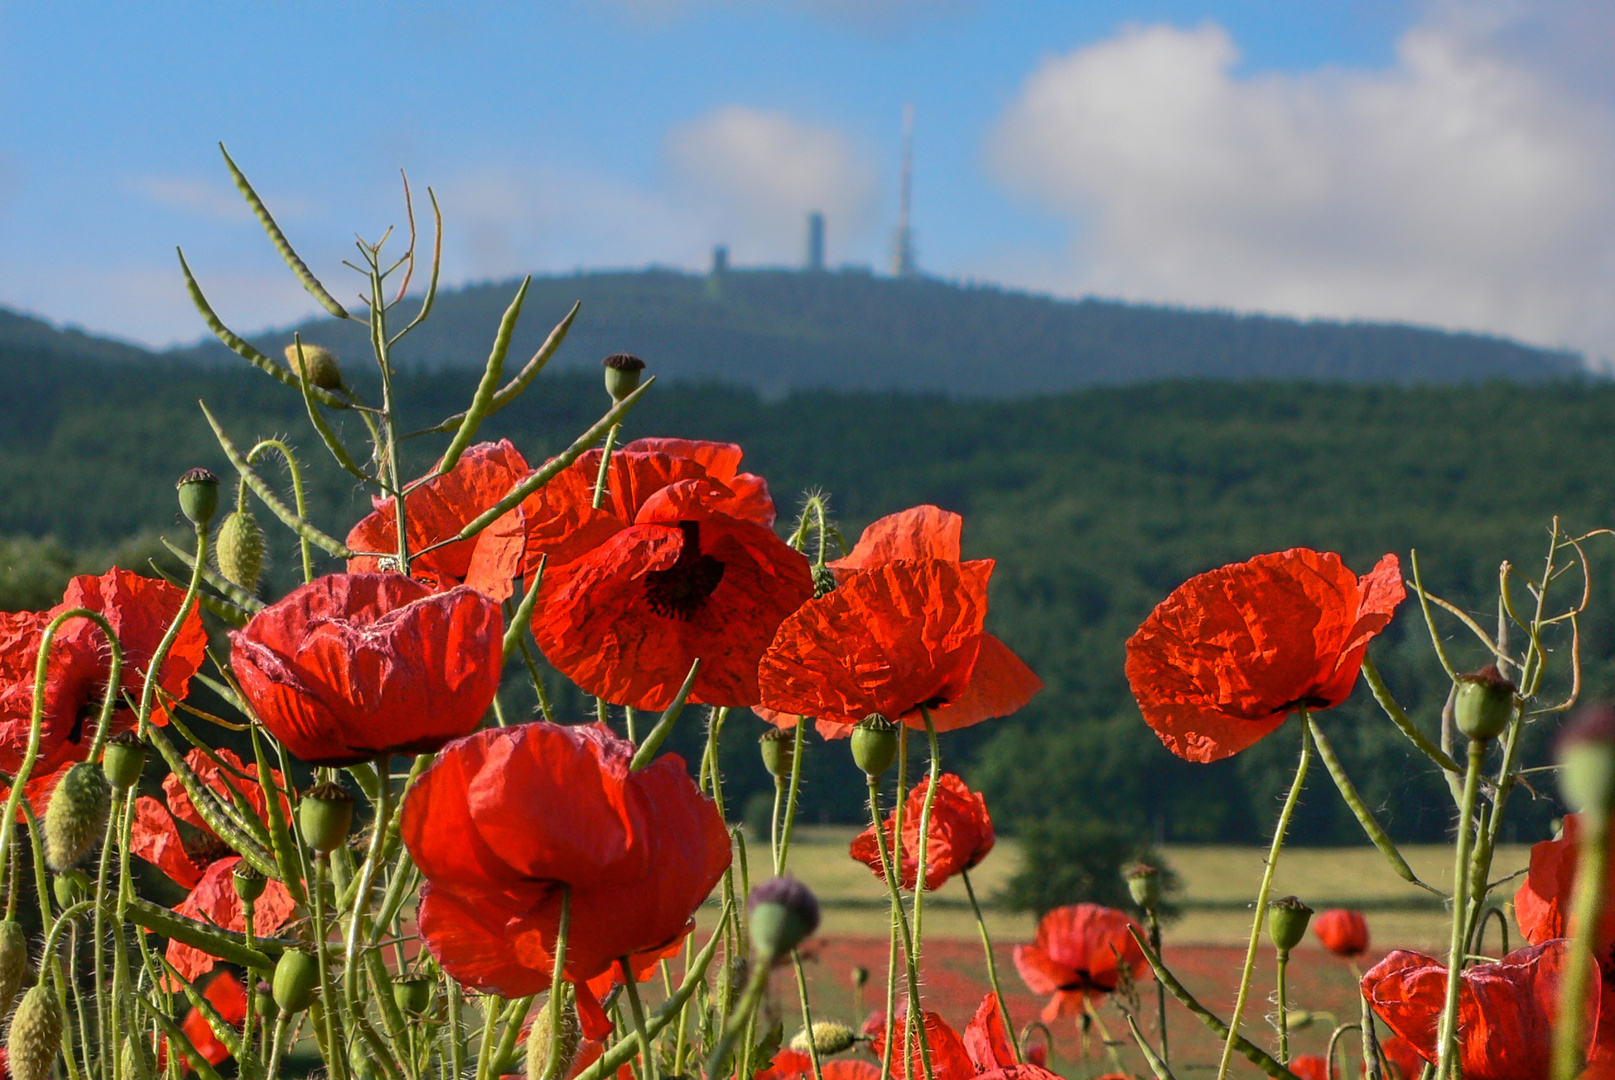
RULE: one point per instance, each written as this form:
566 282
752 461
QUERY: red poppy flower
1542 903
503 818
1405 1061
791 1064
1080 949
229 998
983 1050
442 506
961 834
1343 932
353 666
1505 1010
199 861
1231 653
1310 1067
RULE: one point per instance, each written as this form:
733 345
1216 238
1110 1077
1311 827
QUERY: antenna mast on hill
903 242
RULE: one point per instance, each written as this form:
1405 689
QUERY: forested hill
775 331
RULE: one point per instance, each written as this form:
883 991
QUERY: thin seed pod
511 390
1365 816
223 1030
282 245
211 811
482 400
287 853
437 265
332 443
1400 718
178 1040
519 621
235 593
227 945
287 515
1157 1066
664 727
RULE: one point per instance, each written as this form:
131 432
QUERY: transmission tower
903 241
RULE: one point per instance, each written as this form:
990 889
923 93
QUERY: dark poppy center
679 591
1085 981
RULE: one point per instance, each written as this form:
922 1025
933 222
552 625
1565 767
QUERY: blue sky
1447 163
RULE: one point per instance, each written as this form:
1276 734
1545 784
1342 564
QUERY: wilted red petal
961 834
1403 1057
985 1040
353 666
921 532
73 681
229 998
1342 932
1222 661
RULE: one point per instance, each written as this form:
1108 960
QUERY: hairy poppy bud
1587 752
70 887
297 980
1144 882
829 1037
778 747
13 962
77 815
318 363
860 976
413 995
124 760
36 1035
622 374
1484 703
325 815
874 744
538 1040
199 495
239 549
824 581
1287 922
783 912
249 881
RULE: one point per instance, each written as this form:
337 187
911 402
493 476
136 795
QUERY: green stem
456 1053
911 965
367 877
106 1048
553 1064
773 825
149 691
1160 987
277 1043
605 465
636 1010
1447 1038
336 1061
1569 1039
992 967
807 1015
1104 1035
925 836
297 494
790 802
1284 1019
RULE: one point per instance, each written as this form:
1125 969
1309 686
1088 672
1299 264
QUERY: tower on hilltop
903 241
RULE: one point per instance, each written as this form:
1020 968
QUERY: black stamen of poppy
679 591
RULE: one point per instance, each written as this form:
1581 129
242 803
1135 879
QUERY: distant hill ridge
778 330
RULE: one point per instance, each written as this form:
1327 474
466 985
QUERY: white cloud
1460 187
209 199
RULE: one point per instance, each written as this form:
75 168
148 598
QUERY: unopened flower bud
1484 703
1587 752
778 747
829 1037
874 744
538 1040
13 962
1144 882
318 363
783 911
325 815
199 495
622 374
77 815
1299 1019
824 581
263 998
297 980
860 976
239 549
249 881
124 760
1287 922
36 1034
70 887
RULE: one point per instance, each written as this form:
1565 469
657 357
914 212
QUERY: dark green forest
1095 504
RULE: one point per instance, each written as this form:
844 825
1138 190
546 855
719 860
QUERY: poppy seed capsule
199 495
1484 703
77 815
538 1041
783 911
413 996
778 748
325 815
70 887
263 998
829 1037
297 979
1587 752
1287 922
860 976
319 364
622 374
13 962
874 744
239 549
124 760
249 881
36 1035
1144 882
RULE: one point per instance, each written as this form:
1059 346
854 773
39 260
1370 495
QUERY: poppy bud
778 747
860 976
13 962
1287 922
874 744
249 881
239 549
325 814
124 760
263 998
1298 1019
1144 882
319 365
77 815
36 1035
199 495
829 1037
824 581
1587 752
783 911
1484 703
538 1040
297 980
622 374
70 887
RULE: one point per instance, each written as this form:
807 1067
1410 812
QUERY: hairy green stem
1569 1036
992 968
911 965
553 1063
1447 1037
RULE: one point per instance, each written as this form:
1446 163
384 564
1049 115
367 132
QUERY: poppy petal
985 1039
921 532
155 838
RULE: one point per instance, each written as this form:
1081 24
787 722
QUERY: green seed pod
1484 703
124 760
263 998
874 744
824 581
778 747
297 980
829 1037
1587 752
413 996
239 549
70 887
1287 922
199 495
249 881
538 1041
860 976
783 911
622 374
325 815
13 962
136 1059
1144 882
320 364
36 1035
77 815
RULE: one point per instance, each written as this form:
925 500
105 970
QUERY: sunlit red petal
949 1060
155 838
1342 931
922 532
985 1039
214 901
961 834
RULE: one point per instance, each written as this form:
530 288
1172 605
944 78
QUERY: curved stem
992 968
297 494
1447 1039
148 692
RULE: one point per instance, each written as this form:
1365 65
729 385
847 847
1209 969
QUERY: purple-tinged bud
860 976
1587 754
199 495
1144 882
1287 922
622 374
1484 703
783 911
